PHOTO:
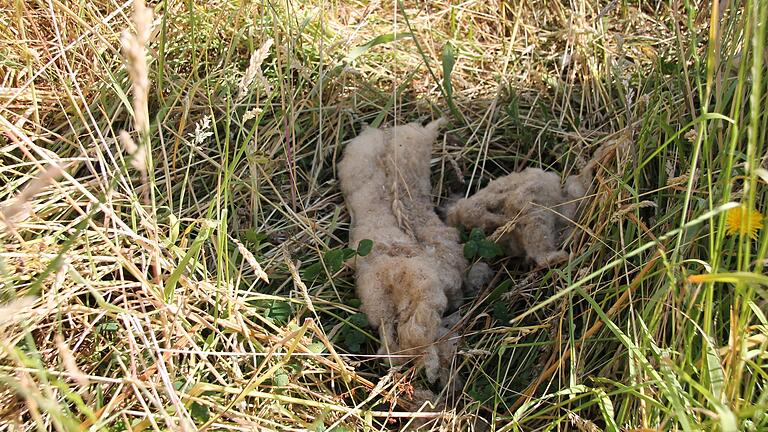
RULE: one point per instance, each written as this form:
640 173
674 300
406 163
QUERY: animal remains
529 213
413 275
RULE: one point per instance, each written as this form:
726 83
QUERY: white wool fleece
413 274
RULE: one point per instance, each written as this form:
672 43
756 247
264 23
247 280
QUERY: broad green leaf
209 341
334 260
318 426
107 327
348 253
282 379
353 339
463 235
364 247
279 311
470 249
351 333
199 412
312 271
488 249
316 347
499 290
476 234
255 237
482 390
358 320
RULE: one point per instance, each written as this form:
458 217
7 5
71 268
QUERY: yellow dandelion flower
739 218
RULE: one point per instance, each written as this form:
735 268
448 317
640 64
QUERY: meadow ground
172 235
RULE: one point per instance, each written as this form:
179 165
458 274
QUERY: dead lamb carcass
529 212
413 274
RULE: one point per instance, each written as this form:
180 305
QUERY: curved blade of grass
733 277
197 243
378 40
424 57
606 408
702 118
665 379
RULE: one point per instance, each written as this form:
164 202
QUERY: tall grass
171 256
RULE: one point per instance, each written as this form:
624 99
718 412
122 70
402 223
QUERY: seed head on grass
19 209
134 49
254 70
138 153
11 310
741 220
134 52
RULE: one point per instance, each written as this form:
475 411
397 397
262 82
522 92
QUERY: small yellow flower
739 218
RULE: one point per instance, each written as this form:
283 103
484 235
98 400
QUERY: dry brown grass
176 294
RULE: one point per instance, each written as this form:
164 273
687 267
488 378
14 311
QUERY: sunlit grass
201 284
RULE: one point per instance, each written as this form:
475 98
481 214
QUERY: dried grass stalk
134 47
